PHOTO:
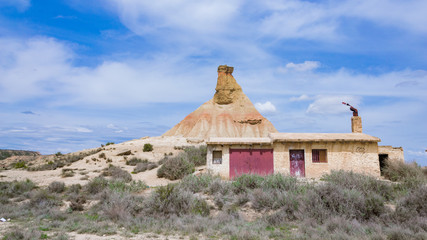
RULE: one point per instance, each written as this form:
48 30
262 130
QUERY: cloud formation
332 104
21 5
301 67
266 107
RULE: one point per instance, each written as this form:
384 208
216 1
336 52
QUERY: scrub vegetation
184 163
342 205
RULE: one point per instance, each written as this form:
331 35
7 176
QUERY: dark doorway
297 163
383 159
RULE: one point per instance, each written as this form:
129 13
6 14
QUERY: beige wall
394 153
361 157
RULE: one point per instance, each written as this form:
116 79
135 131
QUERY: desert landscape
213 120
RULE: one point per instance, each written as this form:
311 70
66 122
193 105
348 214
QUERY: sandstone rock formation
229 113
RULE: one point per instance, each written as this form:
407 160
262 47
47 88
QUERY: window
217 157
319 156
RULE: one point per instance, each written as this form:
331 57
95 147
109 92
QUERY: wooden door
297 163
252 161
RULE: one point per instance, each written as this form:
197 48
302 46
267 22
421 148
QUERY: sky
75 74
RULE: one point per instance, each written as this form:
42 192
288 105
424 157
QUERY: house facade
298 154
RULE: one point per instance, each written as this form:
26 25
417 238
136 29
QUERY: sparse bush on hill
63 160
117 173
56 187
133 161
144 166
183 164
147 147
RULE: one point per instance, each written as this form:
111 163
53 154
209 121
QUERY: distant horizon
76 74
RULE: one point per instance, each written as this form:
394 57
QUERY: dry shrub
329 200
171 200
197 183
96 185
144 166
41 200
56 187
133 161
117 173
183 164
410 174
120 206
367 185
246 182
16 188
175 168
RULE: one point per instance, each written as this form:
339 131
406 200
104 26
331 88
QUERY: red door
257 161
297 163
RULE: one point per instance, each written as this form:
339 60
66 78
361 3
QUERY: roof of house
237 140
298 137
322 137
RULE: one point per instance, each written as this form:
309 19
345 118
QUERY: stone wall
394 153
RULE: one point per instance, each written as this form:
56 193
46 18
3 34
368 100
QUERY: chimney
356 124
356 120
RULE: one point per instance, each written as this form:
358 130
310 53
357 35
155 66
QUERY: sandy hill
229 113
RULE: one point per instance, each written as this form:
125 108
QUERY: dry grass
343 206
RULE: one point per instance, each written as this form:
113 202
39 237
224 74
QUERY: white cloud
332 104
323 20
42 68
421 153
266 107
301 98
201 16
300 67
21 5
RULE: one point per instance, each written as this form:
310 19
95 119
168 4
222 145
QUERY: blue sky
75 74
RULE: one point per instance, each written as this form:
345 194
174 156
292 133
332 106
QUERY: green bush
148 147
20 164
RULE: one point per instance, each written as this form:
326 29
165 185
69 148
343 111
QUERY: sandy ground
91 166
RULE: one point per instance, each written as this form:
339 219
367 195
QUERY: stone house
298 154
